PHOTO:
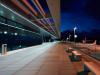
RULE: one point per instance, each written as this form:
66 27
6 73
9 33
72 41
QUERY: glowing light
75 28
16 34
5 32
12 17
1 12
17 28
75 36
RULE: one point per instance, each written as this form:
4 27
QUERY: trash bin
4 49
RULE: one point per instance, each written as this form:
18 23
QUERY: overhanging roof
42 19
54 6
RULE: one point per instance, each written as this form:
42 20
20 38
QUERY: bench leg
86 69
78 58
94 74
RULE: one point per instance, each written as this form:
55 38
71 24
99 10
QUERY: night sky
84 14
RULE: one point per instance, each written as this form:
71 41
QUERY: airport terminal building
26 23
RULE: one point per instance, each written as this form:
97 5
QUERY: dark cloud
83 13
93 9
73 5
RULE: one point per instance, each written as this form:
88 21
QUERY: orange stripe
30 7
17 4
40 7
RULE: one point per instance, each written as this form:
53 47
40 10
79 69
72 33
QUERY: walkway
45 59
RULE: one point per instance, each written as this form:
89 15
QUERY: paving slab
45 59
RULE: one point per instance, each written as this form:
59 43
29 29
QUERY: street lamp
75 36
69 37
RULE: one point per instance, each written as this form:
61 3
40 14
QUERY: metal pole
74 36
66 40
69 37
95 47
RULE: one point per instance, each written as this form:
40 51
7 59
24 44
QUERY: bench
77 56
92 67
69 49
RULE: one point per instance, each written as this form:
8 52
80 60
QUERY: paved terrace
45 59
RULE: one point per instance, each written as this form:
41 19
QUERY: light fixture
1 12
75 36
0 32
75 28
16 34
11 33
12 17
67 38
5 32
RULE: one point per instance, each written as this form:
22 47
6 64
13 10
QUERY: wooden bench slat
93 67
76 53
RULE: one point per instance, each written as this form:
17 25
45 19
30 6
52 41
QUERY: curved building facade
26 23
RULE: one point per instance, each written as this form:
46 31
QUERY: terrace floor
45 59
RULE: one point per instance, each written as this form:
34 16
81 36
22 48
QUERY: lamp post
69 37
75 36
